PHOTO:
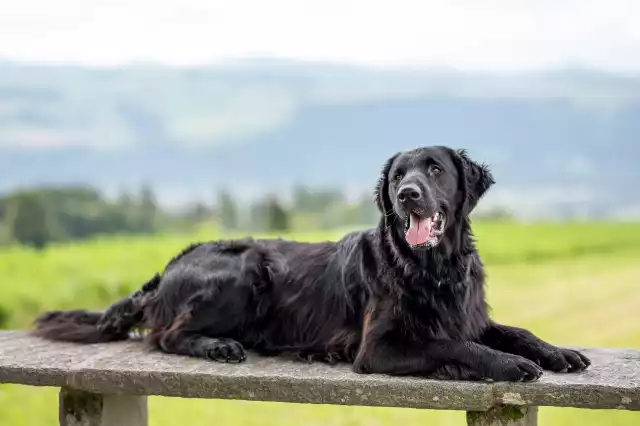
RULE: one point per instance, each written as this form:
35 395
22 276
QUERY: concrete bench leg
79 408
504 416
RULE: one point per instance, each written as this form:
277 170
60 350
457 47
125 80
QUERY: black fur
370 299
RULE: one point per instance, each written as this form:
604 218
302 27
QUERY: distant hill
558 142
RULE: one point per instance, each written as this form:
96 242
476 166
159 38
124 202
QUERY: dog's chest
441 312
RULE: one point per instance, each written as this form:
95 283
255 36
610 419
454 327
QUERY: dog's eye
398 177
436 170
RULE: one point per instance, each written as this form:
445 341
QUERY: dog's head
426 191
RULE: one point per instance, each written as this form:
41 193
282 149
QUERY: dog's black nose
409 192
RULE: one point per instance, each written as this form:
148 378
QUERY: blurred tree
227 213
301 198
5 233
277 216
258 217
29 219
315 200
4 317
197 212
148 209
3 208
80 212
125 199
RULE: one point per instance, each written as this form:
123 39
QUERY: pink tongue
419 230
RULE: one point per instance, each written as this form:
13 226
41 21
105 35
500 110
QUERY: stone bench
107 384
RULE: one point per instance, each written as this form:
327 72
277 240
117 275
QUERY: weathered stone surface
504 416
613 381
80 408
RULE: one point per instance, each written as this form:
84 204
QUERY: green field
572 284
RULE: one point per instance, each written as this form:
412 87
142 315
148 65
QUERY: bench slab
612 381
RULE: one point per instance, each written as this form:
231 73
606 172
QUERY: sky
462 34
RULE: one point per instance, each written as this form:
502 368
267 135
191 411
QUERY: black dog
405 298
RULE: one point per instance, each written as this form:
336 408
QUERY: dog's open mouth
424 231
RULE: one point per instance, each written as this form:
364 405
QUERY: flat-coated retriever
405 298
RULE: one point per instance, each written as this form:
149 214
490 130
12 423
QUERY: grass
571 284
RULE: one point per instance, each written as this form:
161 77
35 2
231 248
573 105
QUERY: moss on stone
497 415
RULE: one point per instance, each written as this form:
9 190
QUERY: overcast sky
469 34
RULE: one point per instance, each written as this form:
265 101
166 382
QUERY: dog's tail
82 326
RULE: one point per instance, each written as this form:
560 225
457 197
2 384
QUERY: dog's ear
475 180
381 193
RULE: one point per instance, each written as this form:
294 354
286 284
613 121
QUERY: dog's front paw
561 360
512 368
223 350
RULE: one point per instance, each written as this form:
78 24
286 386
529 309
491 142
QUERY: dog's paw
224 350
513 368
561 360
360 367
